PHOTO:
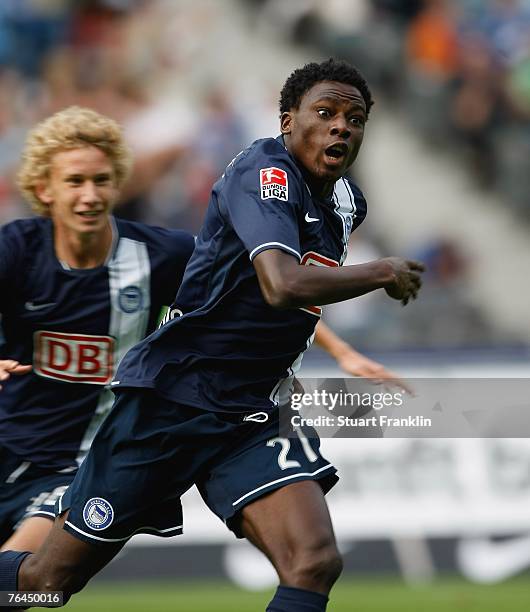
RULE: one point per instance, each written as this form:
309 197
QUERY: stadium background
423 524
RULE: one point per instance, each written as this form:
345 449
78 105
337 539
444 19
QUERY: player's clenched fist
406 278
10 366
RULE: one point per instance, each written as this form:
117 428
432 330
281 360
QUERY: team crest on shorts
273 184
130 299
98 514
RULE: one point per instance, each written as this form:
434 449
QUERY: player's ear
42 191
285 122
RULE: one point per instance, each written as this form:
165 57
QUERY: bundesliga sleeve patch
273 184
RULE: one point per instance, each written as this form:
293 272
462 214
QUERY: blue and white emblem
98 514
130 299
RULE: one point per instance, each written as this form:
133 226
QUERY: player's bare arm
353 362
286 284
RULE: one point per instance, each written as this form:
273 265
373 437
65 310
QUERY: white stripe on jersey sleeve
271 245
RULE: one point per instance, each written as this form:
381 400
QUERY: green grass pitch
375 595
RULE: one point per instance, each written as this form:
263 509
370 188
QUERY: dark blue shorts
149 451
26 490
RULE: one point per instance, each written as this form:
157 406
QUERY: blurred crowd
459 70
132 60
458 73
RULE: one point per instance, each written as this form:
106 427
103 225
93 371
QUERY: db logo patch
273 184
98 514
73 358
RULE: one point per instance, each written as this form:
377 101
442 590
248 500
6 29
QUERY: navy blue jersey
74 326
223 348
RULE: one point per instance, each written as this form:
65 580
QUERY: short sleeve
262 205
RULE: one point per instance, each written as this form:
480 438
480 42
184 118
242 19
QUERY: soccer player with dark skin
81 241
324 109
30 522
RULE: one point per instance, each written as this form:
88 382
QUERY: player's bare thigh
292 526
30 535
63 562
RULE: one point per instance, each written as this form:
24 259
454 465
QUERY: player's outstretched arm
353 362
286 284
10 366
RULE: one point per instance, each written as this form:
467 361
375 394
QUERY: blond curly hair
70 128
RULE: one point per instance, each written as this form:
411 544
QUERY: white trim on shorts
275 482
39 513
178 529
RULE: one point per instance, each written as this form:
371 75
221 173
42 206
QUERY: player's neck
83 250
321 190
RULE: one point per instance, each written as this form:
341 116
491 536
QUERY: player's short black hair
301 80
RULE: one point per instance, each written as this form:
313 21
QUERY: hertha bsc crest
98 513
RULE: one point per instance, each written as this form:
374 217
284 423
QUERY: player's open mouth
336 153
